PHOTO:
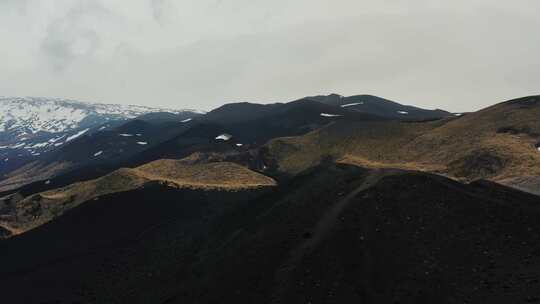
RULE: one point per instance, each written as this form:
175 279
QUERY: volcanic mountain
321 200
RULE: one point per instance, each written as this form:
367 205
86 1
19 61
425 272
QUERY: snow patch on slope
224 137
352 104
330 115
76 135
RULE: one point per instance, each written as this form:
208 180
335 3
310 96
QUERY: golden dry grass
369 143
458 147
40 208
206 175
414 166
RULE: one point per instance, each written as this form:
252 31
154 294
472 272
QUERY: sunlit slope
40 208
499 143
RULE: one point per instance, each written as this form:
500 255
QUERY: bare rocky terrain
333 234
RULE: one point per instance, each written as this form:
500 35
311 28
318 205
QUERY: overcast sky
458 55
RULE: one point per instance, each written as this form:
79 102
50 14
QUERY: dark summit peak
533 100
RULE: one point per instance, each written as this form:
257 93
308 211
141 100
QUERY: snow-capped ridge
36 125
36 114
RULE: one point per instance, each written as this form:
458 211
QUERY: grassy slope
496 143
367 143
205 175
507 131
40 208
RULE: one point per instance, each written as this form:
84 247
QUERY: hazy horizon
459 56
173 107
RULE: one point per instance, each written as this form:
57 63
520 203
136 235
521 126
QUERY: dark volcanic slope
4 233
382 107
335 234
256 124
96 153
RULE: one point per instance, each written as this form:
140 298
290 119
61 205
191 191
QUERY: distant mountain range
43 137
33 124
31 127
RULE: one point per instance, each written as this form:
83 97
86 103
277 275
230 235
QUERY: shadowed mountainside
380 106
250 124
102 149
177 141
333 234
